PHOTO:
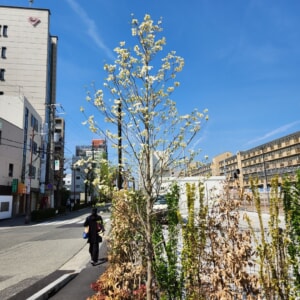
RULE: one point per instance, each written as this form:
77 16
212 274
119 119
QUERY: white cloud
91 27
270 134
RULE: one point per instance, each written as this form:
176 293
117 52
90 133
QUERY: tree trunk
149 252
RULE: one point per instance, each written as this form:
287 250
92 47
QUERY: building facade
280 157
81 189
20 153
28 70
28 57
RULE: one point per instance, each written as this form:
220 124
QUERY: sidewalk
80 287
67 283
72 281
15 221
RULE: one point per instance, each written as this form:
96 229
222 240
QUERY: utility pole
91 176
52 160
120 144
30 170
74 183
265 173
88 191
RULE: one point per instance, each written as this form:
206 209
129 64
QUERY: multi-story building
20 153
28 69
81 190
28 57
280 157
217 167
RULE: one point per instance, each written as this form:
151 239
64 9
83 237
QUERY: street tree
153 137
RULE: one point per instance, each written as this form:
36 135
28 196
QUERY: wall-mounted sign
14 185
21 188
56 165
34 21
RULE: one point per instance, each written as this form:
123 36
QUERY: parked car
160 203
160 207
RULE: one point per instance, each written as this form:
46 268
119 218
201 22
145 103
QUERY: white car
160 203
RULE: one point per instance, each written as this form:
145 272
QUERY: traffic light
236 173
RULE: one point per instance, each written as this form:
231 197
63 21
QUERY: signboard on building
14 185
21 188
56 165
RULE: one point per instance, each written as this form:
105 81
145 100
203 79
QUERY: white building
28 70
28 56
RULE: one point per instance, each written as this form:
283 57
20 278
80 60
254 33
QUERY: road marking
61 222
65 222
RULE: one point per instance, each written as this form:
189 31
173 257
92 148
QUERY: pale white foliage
141 87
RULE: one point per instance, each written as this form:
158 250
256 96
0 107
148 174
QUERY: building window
34 123
4 32
4 206
10 170
32 171
33 147
2 73
3 52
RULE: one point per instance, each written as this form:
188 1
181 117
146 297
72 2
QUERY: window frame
10 170
5 30
2 74
3 52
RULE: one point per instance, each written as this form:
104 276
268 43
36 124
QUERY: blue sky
242 62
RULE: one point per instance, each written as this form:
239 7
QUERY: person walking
94 223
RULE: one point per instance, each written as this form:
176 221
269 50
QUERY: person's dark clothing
95 224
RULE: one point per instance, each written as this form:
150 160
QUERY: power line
13 141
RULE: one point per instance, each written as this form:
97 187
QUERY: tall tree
155 138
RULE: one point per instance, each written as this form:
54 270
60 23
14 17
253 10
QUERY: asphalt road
35 254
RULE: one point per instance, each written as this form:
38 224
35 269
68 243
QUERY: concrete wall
213 187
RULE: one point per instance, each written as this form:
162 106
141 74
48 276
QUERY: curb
52 288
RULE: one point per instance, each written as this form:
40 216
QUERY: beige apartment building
279 157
